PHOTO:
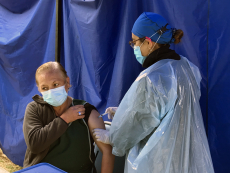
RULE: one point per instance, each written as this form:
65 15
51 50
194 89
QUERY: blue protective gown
158 124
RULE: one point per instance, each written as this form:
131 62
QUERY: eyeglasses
133 42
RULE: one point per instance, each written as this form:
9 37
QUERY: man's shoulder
79 102
32 104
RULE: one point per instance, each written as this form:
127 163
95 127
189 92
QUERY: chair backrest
41 167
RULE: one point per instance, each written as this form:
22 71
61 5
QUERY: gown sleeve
143 107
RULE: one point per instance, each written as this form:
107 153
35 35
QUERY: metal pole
58 31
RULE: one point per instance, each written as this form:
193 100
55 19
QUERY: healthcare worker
158 124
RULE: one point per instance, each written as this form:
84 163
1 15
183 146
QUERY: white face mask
55 97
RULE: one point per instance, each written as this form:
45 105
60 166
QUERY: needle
102 115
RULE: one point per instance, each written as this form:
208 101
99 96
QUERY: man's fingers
81 113
80 109
80 116
78 106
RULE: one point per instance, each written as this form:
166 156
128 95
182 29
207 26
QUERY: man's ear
68 82
38 89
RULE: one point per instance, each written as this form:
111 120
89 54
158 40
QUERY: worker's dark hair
178 35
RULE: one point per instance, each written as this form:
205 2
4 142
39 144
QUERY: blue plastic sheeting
101 64
17 6
27 40
96 53
218 85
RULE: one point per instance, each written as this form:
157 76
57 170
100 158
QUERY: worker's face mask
55 97
137 51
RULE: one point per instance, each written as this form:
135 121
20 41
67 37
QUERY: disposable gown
158 124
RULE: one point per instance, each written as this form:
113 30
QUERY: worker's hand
111 111
73 113
101 135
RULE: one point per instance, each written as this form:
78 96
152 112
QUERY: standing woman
158 124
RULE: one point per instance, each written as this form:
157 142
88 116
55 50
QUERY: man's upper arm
97 123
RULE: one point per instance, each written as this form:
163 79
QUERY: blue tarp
27 39
101 64
218 85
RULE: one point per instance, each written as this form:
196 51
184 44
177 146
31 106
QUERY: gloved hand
101 135
111 111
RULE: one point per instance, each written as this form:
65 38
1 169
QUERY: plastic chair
41 167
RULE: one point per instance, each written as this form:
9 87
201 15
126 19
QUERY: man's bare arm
107 156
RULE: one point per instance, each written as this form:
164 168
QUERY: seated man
58 128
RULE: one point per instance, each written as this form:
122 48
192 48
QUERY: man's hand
73 113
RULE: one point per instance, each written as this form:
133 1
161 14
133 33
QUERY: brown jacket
41 128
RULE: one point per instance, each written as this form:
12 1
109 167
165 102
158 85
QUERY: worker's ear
149 42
